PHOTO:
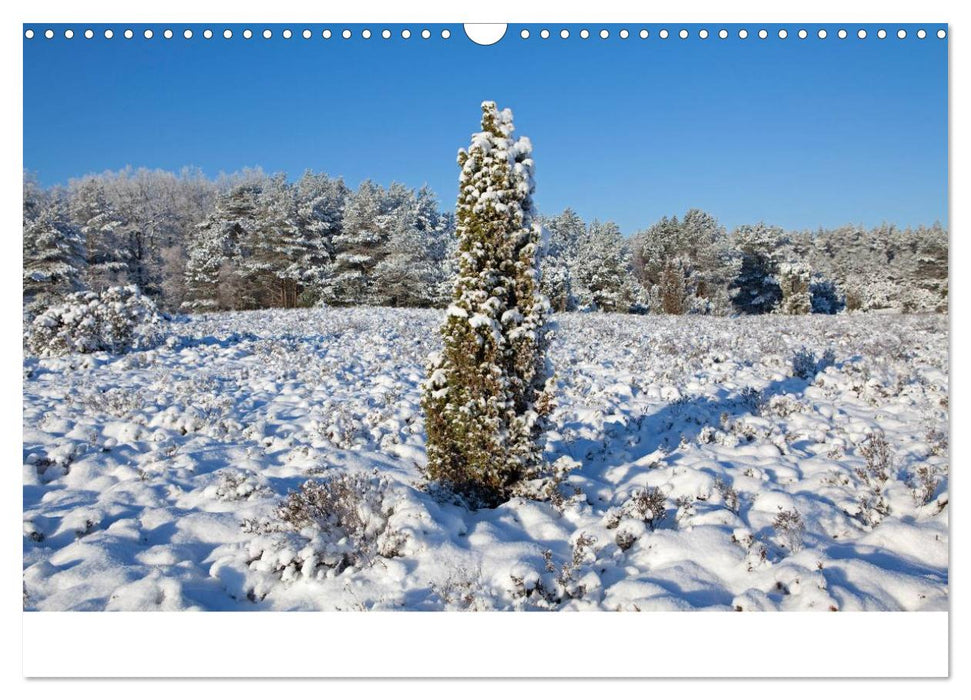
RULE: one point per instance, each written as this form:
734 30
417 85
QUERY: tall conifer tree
490 389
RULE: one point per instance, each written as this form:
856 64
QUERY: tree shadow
682 420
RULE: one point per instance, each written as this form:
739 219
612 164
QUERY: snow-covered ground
152 480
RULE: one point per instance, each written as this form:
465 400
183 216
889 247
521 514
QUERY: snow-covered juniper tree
490 389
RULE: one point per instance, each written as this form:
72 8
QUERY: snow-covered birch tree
489 390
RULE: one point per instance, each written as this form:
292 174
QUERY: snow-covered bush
117 320
567 581
879 466
548 486
790 529
462 589
729 495
332 523
923 483
805 364
648 505
232 485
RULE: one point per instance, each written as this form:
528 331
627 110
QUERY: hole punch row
486 35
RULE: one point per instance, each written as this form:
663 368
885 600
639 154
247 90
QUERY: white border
476 645
432 644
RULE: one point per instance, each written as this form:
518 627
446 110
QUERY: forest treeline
252 240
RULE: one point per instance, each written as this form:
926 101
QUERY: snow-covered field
707 475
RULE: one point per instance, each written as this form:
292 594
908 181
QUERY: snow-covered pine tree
558 261
705 257
34 197
756 287
364 228
489 390
673 291
279 257
106 243
212 272
409 271
928 268
557 283
602 275
825 297
320 205
53 252
794 284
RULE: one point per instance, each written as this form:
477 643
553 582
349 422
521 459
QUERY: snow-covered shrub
790 529
806 365
923 483
232 485
939 442
462 590
783 406
548 487
879 464
625 538
566 579
329 524
753 399
729 495
119 402
647 505
559 583
117 320
684 509
879 459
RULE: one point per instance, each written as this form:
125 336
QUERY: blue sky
800 133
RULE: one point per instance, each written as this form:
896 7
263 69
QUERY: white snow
140 470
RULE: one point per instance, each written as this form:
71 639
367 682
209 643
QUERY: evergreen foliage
756 288
53 251
250 240
794 285
686 265
107 254
489 390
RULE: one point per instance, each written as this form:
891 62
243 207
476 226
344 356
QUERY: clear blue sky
801 133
